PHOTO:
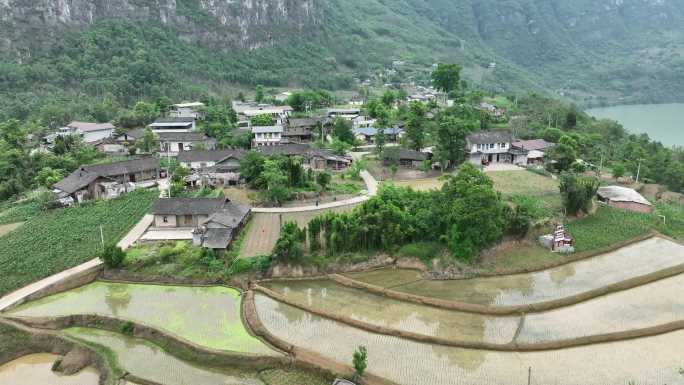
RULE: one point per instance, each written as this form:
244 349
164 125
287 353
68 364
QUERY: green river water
662 122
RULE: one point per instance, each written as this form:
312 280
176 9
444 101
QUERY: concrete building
173 125
187 110
267 136
90 132
174 143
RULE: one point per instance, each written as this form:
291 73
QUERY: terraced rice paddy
207 316
147 361
646 306
333 298
37 369
631 261
264 229
652 360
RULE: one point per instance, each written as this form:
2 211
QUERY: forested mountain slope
56 51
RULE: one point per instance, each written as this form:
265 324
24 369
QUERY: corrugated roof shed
622 194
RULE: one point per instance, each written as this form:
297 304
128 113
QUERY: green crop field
58 240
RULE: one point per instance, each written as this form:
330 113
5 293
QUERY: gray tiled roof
85 175
285 149
209 156
493 136
182 136
187 206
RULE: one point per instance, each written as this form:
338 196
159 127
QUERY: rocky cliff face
29 24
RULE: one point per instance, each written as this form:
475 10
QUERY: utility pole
638 171
529 376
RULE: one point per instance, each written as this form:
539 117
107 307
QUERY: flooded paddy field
207 316
645 306
146 360
574 278
360 305
37 369
388 278
646 361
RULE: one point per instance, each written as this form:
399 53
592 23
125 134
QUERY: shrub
425 251
113 256
127 328
577 192
360 361
518 221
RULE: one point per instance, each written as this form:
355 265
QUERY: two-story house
90 132
279 114
174 143
495 146
267 136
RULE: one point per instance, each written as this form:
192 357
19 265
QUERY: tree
360 361
259 94
288 247
342 130
323 179
380 140
262 120
339 147
275 182
446 77
564 156
112 256
577 192
251 167
388 98
618 170
451 139
147 143
414 127
48 177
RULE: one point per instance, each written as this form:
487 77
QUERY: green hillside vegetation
58 240
582 50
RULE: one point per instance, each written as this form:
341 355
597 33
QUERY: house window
479 147
188 219
165 219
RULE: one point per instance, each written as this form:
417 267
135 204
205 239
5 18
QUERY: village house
344 113
130 136
362 121
213 222
495 146
279 114
283 96
107 180
90 132
173 125
213 168
536 149
624 198
357 100
367 134
267 136
404 157
301 130
187 110
174 143
317 159
110 146
493 110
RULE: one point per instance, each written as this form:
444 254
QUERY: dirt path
4 229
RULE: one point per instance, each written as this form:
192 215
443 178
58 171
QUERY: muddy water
632 261
646 306
377 310
644 361
207 316
147 361
37 369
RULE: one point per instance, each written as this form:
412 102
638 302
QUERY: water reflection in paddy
644 361
377 310
147 361
208 316
37 369
632 261
651 305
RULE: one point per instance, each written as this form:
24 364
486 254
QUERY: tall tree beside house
290 244
323 179
577 192
446 77
415 132
451 139
147 143
275 182
342 130
388 98
251 167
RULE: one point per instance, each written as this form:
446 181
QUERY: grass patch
19 212
293 377
523 182
425 251
64 238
